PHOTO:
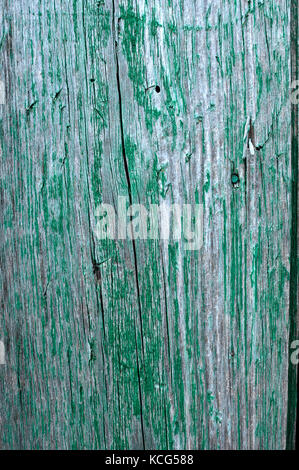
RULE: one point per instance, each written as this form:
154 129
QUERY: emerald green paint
119 345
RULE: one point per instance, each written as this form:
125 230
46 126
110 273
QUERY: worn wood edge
292 417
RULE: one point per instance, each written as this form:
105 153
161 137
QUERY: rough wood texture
158 347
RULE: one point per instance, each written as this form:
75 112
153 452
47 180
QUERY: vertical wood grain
132 344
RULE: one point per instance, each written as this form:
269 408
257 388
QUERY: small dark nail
158 89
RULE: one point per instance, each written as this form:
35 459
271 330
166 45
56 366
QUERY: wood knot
235 179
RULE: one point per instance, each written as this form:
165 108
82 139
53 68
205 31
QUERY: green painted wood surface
158 348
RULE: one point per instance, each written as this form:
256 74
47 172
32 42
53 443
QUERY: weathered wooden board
157 347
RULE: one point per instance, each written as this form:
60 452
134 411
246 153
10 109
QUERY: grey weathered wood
158 347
